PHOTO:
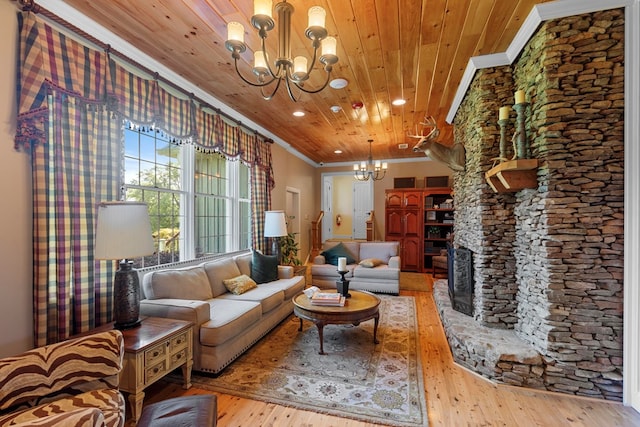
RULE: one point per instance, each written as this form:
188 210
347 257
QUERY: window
176 179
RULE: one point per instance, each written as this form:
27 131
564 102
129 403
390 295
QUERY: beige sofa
226 324
70 383
381 277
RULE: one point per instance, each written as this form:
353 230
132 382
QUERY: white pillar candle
504 113
342 264
519 97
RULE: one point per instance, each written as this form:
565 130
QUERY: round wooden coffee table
360 307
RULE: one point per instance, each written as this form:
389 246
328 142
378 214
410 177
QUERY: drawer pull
155 354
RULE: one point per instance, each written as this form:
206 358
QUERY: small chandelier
365 170
293 72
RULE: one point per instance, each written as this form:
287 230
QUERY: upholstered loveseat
371 266
227 323
70 383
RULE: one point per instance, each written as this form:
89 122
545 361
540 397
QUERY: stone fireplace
547 262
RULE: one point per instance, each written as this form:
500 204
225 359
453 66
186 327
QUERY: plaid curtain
71 174
71 103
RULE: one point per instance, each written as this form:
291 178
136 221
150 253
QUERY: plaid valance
51 61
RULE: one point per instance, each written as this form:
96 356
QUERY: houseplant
434 232
289 250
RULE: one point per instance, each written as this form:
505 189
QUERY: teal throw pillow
264 268
331 255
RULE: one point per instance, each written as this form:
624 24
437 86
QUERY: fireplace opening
460 280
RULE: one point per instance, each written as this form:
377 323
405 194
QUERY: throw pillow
331 255
371 262
264 268
239 285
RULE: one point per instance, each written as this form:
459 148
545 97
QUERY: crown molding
539 13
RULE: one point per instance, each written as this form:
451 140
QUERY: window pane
245 225
212 233
152 175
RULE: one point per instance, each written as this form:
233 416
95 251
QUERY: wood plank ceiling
387 49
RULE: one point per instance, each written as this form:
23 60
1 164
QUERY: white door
292 211
362 206
327 207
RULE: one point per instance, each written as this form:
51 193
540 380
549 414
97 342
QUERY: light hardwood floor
455 396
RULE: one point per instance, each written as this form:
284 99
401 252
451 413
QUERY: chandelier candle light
369 169
294 72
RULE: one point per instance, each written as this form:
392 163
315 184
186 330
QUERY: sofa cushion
264 268
329 271
219 270
180 283
109 402
244 263
239 285
269 297
338 251
382 272
228 317
81 417
380 250
370 262
290 286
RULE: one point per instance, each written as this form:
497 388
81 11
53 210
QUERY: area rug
356 378
413 281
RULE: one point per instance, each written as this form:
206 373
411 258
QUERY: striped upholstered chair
71 383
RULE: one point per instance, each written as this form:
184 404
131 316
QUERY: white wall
16 306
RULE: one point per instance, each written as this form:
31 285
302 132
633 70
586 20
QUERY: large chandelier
370 170
293 72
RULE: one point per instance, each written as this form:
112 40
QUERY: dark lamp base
124 326
126 297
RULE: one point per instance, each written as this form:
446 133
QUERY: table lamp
275 225
123 233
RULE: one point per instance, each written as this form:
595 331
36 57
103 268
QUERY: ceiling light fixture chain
294 72
370 170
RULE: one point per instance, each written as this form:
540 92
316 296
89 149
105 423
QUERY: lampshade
275 224
124 231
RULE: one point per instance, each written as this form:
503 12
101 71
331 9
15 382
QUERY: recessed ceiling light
338 83
336 108
399 101
338 151
298 113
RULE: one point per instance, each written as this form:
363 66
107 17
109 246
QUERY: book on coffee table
327 298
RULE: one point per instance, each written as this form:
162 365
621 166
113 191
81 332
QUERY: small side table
151 351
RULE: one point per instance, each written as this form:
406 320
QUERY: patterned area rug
356 378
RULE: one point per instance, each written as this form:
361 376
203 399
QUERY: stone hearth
547 261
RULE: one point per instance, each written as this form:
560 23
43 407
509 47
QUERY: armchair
70 383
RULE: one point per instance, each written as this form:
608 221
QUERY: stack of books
327 298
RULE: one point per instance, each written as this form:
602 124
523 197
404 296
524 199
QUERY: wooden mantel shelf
513 175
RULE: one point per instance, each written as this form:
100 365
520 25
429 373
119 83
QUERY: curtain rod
31 6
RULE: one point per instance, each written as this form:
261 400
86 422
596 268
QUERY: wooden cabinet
422 221
404 199
403 223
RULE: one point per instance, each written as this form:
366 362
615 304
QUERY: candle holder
503 139
343 284
521 144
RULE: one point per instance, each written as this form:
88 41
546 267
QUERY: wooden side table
152 350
